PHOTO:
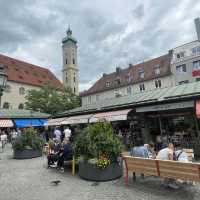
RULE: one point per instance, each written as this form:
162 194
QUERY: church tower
70 67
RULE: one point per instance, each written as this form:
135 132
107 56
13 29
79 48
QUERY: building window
157 69
196 50
21 106
74 78
129 90
8 89
141 73
196 65
73 60
117 93
66 61
142 87
118 81
89 99
183 82
181 68
180 55
97 97
158 83
21 90
107 84
6 105
74 90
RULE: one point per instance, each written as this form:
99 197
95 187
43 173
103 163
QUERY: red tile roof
130 75
23 72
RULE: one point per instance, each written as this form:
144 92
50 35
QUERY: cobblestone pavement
30 180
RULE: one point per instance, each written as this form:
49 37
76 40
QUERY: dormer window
141 73
118 81
157 69
180 55
107 84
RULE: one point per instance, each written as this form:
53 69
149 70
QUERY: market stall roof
157 95
110 116
15 113
80 119
21 123
55 122
6 123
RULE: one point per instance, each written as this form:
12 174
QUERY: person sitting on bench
52 157
65 153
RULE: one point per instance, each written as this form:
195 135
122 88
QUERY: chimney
118 69
104 74
197 24
130 65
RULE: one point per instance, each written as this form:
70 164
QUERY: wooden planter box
26 153
91 172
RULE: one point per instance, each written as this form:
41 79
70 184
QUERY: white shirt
67 133
57 134
163 154
3 137
182 156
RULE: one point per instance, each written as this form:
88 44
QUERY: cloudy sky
110 33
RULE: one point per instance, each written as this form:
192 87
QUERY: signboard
195 73
167 106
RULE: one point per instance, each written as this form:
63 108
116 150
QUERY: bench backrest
163 168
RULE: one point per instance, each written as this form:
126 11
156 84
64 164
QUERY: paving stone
31 180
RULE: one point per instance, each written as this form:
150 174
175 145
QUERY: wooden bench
162 168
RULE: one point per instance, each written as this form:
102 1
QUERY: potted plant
98 149
28 145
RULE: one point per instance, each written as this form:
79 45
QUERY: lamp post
3 81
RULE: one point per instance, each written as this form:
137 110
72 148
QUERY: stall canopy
110 116
54 122
6 123
20 123
80 119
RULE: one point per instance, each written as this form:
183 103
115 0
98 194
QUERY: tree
50 100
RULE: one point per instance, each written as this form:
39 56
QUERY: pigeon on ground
95 184
55 183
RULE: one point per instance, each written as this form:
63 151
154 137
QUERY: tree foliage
50 100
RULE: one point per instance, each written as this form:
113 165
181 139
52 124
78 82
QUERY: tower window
73 60
74 79
66 61
21 106
6 105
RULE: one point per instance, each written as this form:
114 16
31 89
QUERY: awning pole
160 125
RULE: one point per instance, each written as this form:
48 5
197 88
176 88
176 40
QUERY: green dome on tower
69 37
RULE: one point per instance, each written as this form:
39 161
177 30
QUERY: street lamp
3 81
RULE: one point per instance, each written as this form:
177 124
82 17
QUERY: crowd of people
171 152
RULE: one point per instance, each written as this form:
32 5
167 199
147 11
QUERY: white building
22 77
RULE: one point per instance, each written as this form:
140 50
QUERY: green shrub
98 140
28 140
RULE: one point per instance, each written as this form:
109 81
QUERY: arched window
6 105
21 91
73 60
21 106
8 89
66 61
